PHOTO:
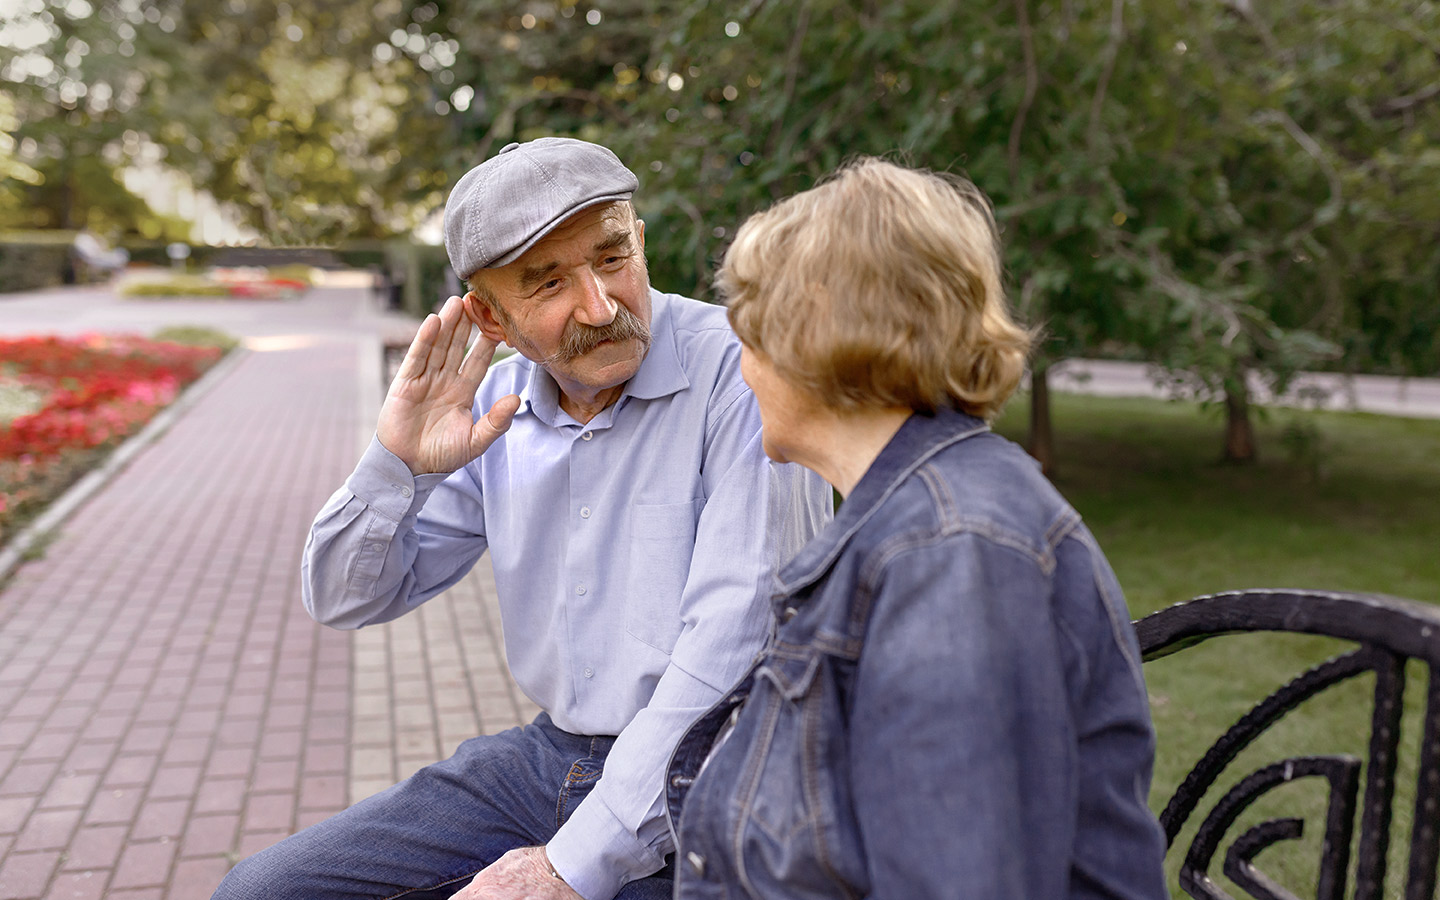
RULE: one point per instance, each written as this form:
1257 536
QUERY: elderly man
614 470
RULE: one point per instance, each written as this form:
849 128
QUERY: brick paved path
166 706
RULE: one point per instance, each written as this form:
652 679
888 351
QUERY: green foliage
1216 188
76 77
197 336
297 272
313 118
1210 187
33 261
171 284
295 118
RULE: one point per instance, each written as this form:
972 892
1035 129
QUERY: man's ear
640 231
479 312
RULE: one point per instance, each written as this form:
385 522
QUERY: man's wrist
551 868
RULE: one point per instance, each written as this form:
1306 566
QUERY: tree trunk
67 193
1041 443
1239 434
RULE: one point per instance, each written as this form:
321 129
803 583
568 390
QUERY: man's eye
550 285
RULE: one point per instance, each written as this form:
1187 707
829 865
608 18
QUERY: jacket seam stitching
833 553
1065 523
887 552
939 491
1111 604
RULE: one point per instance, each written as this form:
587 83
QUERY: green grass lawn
1176 523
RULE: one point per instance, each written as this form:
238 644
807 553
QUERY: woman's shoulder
984 487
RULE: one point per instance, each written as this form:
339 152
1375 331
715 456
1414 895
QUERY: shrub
95 391
30 263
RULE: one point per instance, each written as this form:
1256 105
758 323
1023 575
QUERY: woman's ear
479 312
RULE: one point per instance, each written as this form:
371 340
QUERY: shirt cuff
385 483
597 854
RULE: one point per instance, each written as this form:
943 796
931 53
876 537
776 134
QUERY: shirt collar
921 437
659 374
541 395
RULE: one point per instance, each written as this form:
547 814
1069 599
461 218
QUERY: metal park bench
1389 633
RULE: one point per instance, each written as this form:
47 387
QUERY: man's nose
596 308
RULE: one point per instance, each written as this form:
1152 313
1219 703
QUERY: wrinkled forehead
572 242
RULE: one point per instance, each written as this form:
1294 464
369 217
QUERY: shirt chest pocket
661 543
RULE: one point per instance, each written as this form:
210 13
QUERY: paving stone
13 812
47 830
197 878
178 710
130 771
78 886
220 795
210 835
28 778
269 812
143 865
24 876
175 781
160 819
70 789
275 775
114 805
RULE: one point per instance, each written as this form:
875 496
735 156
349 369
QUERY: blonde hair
879 288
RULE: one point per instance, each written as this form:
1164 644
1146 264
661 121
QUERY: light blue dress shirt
634 557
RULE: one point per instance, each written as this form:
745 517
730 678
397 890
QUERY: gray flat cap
505 205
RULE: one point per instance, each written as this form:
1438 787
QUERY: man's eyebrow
618 239
530 276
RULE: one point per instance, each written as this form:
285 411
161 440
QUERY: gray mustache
581 339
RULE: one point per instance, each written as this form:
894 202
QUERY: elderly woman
952 704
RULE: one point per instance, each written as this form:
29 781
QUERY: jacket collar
659 375
921 437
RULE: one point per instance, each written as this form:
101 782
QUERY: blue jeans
428 836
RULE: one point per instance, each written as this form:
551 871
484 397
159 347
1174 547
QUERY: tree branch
1410 101
508 113
1312 148
792 71
1112 53
696 219
1032 85
1246 9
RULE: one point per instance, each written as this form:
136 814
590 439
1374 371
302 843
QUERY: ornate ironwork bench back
1389 632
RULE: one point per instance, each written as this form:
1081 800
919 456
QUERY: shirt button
584 512
405 492
580 589
697 863
375 548
587 435
589 672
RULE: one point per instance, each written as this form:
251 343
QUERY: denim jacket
952 704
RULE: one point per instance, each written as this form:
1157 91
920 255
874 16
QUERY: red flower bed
97 390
